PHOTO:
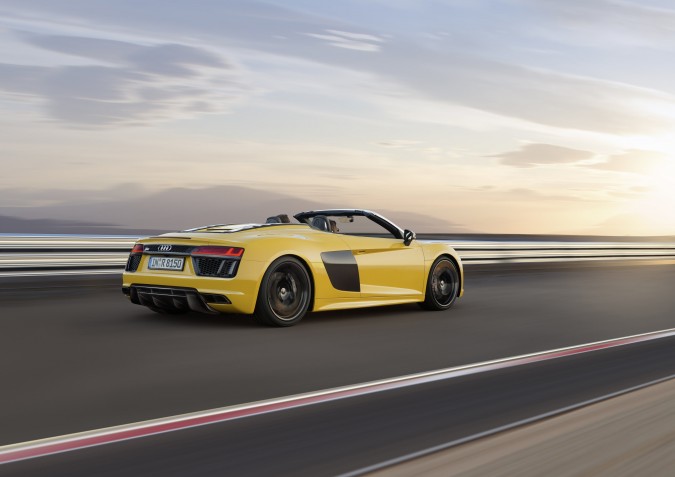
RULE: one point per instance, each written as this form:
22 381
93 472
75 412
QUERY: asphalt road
626 436
73 362
343 436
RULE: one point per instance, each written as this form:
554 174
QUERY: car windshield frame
386 224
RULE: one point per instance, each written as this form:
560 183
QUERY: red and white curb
82 440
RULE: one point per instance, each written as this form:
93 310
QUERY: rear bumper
174 298
241 291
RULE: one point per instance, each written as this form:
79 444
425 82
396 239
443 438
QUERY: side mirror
408 237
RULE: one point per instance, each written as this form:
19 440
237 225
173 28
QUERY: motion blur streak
22 256
496 430
44 447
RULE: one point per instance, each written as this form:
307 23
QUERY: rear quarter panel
262 250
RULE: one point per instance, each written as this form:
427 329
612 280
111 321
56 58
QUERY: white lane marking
81 440
496 430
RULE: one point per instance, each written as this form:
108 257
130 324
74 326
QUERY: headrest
278 219
321 222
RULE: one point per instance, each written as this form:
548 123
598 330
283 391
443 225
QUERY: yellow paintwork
390 272
387 267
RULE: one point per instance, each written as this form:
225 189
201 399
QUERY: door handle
359 252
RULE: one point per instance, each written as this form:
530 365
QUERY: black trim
210 229
133 262
173 298
215 298
215 266
342 270
173 249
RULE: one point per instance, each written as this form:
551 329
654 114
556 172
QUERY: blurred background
455 116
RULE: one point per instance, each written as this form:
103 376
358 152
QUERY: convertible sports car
278 271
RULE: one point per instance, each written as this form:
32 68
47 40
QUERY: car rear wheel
442 285
285 293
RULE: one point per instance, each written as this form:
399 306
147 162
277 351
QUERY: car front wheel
442 285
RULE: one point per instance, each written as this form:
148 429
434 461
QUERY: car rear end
180 274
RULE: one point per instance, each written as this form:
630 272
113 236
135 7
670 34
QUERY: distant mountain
15 225
181 208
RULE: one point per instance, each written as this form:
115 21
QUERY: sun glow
658 205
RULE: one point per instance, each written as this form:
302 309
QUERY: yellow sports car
278 271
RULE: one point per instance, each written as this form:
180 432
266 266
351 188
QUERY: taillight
219 251
135 258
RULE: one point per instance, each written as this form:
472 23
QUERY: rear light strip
234 252
209 250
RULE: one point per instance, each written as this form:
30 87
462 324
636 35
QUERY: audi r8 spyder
278 271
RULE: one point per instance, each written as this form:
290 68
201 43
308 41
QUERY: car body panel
387 267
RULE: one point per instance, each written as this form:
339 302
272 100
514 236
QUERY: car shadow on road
362 313
192 320
240 321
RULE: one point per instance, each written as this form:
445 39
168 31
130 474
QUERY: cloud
398 143
609 22
631 193
531 196
448 75
350 41
531 155
129 84
633 161
535 95
164 59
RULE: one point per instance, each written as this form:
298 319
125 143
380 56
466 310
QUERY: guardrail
486 252
88 255
63 255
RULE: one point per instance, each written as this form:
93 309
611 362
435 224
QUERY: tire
442 285
285 293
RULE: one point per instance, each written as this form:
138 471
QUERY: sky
496 116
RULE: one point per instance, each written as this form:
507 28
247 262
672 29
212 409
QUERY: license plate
166 263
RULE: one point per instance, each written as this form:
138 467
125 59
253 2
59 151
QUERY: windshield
349 225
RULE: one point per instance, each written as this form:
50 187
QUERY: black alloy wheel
285 293
442 285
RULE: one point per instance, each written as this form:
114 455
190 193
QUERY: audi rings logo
164 248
